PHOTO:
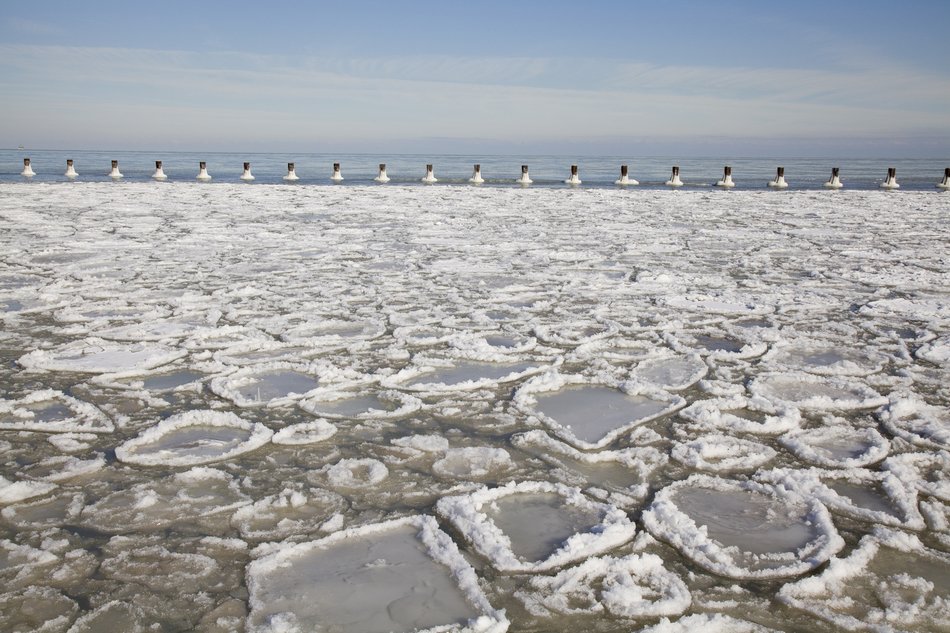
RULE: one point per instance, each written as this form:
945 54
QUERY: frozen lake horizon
400 408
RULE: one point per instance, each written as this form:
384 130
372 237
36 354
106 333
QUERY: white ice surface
806 309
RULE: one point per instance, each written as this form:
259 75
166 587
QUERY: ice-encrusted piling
247 175
337 176
945 183
525 178
291 173
115 174
574 179
381 176
779 181
203 171
726 181
430 176
891 181
625 178
674 180
477 175
70 169
835 181
159 172
27 169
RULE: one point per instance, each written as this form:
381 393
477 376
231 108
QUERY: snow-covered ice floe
51 411
588 413
292 511
370 405
890 582
304 433
826 359
740 414
673 372
880 498
400 575
837 444
274 384
98 356
721 453
193 438
742 529
441 375
181 498
707 623
634 586
536 526
914 420
815 392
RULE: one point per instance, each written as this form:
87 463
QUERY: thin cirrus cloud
89 96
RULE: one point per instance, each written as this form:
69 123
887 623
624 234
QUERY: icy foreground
289 408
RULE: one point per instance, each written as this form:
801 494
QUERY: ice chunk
423 443
53 411
742 529
742 415
15 558
271 384
472 462
431 375
936 352
877 497
815 392
112 616
673 373
591 415
11 492
402 575
827 360
890 582
635 586
707 623
36 610
837 444
576 333
193 438
536 526
928 472
98 356
356 473
627 468
304 433
178 499
363 406
918 422
159 569
53 511
334 331
721 453
63 468
727 305
292 511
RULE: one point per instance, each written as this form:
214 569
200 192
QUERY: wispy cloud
152 95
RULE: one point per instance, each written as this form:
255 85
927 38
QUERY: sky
809 78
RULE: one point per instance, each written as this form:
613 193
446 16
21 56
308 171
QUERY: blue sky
700 78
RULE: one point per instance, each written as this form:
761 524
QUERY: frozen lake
299 408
